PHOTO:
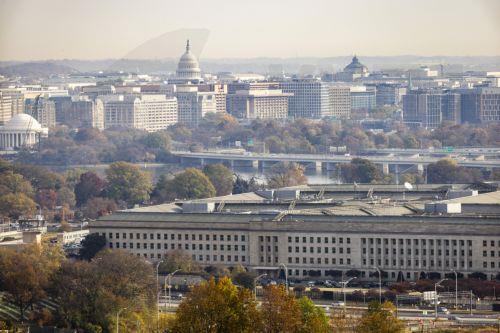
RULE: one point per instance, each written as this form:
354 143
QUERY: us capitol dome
188 69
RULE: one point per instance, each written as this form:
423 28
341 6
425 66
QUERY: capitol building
22 130
188 69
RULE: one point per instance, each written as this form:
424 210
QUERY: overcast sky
96 29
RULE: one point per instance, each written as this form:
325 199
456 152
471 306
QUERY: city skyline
56 29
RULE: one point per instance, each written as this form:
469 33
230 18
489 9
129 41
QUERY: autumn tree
91 245
242 185
221 177
314 319
217 307
126 182
178 259
361 171
25 274
284 174
447 171
89 185
16 205
380 318
190 184
11 182
90 293
280 312
97 207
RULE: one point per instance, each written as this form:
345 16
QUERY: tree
242 185
91 245
244 279
126 182
97 207
190 184
25 274
217 307
90 185
284 174
446 171
221 177
280 312
360 170
16 205
178 259
90 293
313 318
341 322
380 318
11 182
158 140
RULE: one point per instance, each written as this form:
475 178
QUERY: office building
16 99
320 239
220 92
86 113
389 94
193 104
340 101
429 108
42 109
480 105
363 98
5 108
146 112
311 99
258 104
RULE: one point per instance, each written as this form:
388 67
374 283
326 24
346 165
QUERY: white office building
194 104
311 99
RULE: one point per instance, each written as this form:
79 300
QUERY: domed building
188 69
355 70
22 130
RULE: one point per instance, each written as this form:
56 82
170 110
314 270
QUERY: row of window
214 258
417 242
318 261
319 249
418 252
318 239
194 247
229 238
416 262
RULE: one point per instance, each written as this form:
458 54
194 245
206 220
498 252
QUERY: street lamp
379 285
118 319
169 276
344 284
456 288
158 295
286 276
436 297
255 284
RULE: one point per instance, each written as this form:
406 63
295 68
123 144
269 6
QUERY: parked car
338 304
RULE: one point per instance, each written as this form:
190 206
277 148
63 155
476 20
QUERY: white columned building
22 130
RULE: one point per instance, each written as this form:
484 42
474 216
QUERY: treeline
91 146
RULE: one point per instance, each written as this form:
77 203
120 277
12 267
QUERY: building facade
43 110
480 105
363 98
311 99
193 104
188 68
258 104
429 108
389 94
21 131
340 101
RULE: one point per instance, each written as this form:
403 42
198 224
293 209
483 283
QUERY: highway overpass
326 162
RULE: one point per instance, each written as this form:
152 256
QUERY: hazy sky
96 29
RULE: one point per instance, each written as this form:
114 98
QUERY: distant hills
256 65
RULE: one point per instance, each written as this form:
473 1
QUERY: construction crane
33 111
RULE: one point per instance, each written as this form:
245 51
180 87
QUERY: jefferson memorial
22 130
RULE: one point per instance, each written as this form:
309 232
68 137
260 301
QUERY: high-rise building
5 108
220 91
16 99
63 108
389 94
480 105
363 98
86 113
43 110
147 112
311 99
340 101
193 104
261 104
429 108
